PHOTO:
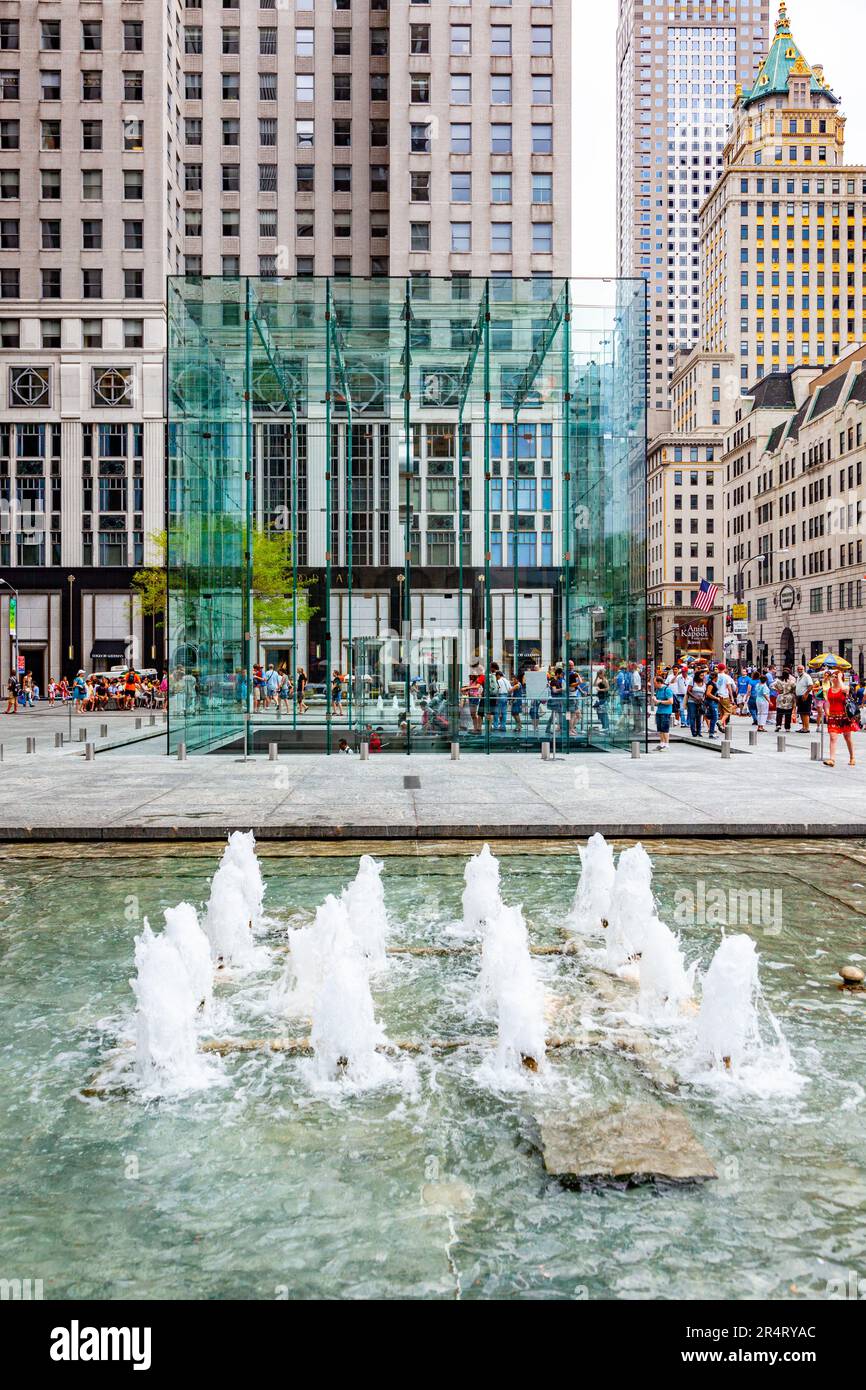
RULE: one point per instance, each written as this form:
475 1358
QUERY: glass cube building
402 494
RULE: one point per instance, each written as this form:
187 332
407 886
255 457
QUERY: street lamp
14 592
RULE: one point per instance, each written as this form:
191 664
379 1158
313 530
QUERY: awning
111 648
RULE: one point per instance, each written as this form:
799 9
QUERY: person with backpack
12 695
695 697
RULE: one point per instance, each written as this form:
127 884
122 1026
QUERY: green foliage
149 583
274 599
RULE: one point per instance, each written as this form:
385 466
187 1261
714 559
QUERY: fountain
509 991
729 1022
241 851
666 986
481 900
345 1034
311 952
364 901
167 1060
229 919
591 908
183 930
632 908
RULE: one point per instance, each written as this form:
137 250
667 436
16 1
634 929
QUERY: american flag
705 598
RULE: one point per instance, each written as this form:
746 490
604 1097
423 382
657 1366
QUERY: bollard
455 752
273 752
726 748
365 752
1 752
31 745
58 740
181 752
635 749
753 738
138 723
780 743
545 752
103 731
815 751
152 720
89 752
729 732
82 735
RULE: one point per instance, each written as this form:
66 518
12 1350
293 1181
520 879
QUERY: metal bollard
753 738
89 752
729 732
273 752
82 735
152 720
545 752
780 743
31 745
58 740
635 749
138 723
455 752
1 752
103 731
365 752
726 748
815 751
181 752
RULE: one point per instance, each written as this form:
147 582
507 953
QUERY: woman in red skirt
838 721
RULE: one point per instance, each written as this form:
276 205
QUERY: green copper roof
773 74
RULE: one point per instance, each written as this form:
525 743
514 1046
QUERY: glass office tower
417 496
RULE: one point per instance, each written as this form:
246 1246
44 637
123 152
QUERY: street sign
739 612
20 664
740 628
13 617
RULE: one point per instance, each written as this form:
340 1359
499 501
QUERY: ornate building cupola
785 73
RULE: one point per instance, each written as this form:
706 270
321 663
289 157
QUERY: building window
91 283
542 188
500 238
500 89
500 139
461 137
500 188
542 139
111 386
419 187
461 188
461 40
500 40
542 237
461 89
461 236
420 236
419 38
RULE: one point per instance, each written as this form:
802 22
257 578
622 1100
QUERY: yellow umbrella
829 659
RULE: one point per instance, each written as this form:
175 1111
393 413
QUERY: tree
274 596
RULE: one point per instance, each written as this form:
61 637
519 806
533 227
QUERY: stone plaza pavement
135 792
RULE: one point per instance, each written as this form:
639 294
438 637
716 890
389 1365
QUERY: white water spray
591 908
631 910
666 985
234 909
364 901
183 931
481 899
510 992
345 1034
167 1061
241 851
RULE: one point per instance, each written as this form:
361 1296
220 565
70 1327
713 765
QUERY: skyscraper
284 137
678 63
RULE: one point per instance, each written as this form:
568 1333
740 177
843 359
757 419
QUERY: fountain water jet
666 985
364 901
229 920
183 930
632 908
481 900
729 1033
241 851
167 1061
345 1034
509 991
591 908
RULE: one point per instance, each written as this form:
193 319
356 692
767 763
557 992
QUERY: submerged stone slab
625 1145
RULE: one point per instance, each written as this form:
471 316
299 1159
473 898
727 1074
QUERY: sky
832 32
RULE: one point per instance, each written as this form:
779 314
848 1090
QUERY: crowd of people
124 690
704 697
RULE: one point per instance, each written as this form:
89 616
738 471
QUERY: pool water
270 1185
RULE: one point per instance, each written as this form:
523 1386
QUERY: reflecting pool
269 1182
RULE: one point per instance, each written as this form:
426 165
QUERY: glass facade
446 477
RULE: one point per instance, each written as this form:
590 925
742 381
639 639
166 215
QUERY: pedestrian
664 700
843 716
343 747
727 695
79 692
12 695
786 691
517 693
337 693
695 696
602 697
502 687
803 697
302 686
762 702
711 704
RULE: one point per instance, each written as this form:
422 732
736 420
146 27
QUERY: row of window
50 184
341 87
423 133
501 237
50 234
51 283
90 35
459 44
91 333
50 85
50 136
